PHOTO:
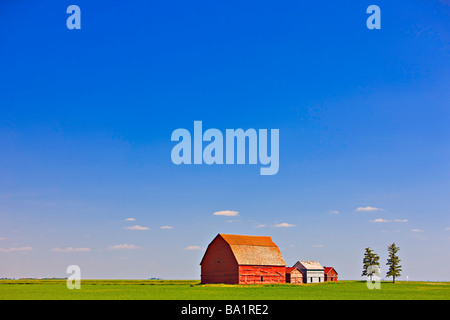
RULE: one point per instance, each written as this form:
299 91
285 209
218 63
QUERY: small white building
312 271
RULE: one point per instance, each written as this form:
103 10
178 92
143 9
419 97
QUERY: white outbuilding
312 271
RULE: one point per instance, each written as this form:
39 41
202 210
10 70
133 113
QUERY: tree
393 262
370 259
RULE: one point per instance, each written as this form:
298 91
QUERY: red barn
293 275
238 259
330 274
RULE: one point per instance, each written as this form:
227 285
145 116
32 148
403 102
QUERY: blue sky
87 115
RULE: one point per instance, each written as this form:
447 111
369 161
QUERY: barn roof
254 250
235 239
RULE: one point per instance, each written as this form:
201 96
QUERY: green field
192 290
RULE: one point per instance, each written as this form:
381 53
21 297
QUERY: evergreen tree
370 259
393 262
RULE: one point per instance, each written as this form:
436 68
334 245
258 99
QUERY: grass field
192 290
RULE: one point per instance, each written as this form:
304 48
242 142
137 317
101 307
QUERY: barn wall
269 274
219 264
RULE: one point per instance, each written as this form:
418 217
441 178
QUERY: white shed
312 271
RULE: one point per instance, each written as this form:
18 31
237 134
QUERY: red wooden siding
218 264
330 274
293 275
261 274
236 259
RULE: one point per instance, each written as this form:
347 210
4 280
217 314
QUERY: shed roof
329 269
290 269
254 250
310 265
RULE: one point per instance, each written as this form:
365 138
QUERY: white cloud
380 220
334 212
130 219
368 209
70 249
384 220
166 227
260 226
227 213
193 248
284 225
416 230
21 249
317 245
137 227
123 246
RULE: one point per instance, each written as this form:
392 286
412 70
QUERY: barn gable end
218 264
